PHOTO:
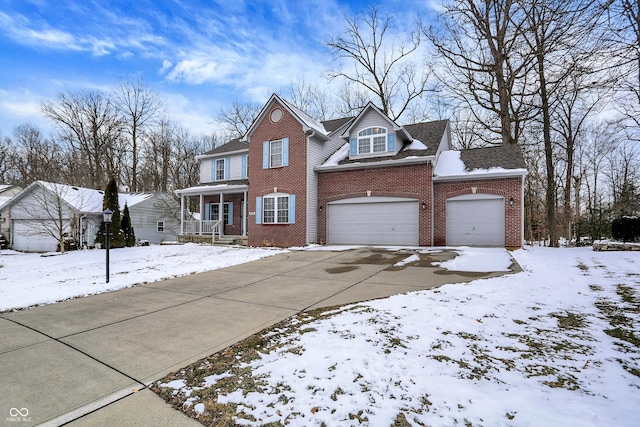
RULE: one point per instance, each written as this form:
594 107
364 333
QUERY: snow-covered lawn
31 279
556 345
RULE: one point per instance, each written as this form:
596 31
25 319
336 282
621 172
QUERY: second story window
275 153
372 140
219 176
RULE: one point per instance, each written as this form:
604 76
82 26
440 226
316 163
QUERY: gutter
515 173
382 163
221 154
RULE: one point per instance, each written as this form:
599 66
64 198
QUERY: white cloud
20 30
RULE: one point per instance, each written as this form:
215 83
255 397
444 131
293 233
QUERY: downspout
522 212
433 208
306 187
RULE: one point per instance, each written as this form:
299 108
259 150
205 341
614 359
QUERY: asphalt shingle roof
502 156
233 145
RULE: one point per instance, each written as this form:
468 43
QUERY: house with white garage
39 213
293 180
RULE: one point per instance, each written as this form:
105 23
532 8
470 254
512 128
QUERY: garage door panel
475 222
393 222
31 236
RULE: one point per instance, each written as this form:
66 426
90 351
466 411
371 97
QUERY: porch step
231 240
225 240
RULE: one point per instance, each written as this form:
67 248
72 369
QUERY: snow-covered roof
309 121
451 164
4 199
87 199
5 186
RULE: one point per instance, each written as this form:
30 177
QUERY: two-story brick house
292 181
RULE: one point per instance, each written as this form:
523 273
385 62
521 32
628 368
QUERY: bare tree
485 65
381 66
139 107
557 34
89 123
35 157
8 159
312 100
238 117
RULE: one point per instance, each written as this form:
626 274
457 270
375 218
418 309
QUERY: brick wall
507 187
411 181
288 179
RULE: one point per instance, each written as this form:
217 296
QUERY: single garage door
373 221
475 220
31 236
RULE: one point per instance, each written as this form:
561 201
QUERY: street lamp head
107 215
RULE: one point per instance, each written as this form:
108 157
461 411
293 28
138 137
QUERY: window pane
268 208
379 144
364 145
220 170
276 153
283 209
215 212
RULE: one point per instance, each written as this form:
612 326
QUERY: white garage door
30 236
373 221
475 220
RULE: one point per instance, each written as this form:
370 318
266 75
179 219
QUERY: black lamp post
106 218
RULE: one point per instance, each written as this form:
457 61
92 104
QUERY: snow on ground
556 345
31 279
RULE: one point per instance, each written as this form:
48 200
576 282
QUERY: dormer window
372 140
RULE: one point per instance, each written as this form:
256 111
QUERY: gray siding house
33 218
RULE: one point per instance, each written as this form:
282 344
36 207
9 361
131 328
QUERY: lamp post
106 218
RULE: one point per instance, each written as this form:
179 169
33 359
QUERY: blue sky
198 55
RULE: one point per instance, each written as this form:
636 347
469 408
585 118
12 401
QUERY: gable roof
82 199
371 106
307 122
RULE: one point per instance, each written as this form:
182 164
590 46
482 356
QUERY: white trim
383 163
374 199
508 173
212 189
221 154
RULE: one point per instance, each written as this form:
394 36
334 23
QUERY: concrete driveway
87 361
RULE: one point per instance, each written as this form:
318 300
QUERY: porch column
221 216
181 214
201 214
245 223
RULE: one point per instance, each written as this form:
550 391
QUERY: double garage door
471 220
373 221
475 220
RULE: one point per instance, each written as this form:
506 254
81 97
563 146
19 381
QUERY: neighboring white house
42 210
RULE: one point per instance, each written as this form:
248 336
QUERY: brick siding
288 179
411 181
506 187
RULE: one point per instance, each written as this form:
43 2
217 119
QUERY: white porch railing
202 227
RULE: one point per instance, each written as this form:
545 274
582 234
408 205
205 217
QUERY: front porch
214 213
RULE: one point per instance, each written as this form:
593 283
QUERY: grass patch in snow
355 355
